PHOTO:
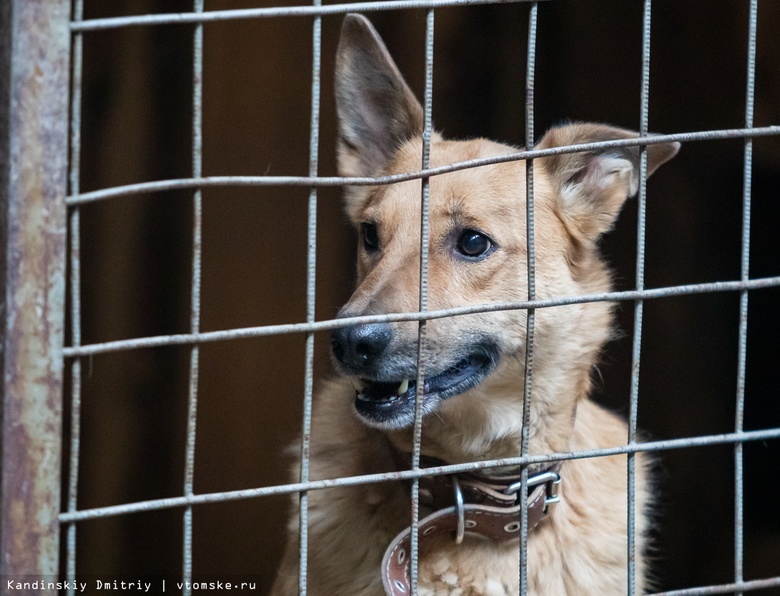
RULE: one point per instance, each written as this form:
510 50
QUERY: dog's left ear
377 111
592 186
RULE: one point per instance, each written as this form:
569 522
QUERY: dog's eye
473 244
370 236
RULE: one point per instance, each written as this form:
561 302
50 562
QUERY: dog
474 364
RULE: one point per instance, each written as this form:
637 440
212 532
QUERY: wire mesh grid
76 351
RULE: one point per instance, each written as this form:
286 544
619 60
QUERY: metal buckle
550 479
459 509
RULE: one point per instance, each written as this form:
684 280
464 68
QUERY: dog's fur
581 547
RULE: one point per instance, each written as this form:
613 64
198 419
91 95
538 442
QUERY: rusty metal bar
273 11
328 324
742 586
739 415
422 303
311 284
530 77
636 348
239 181
195 292
34 76
74 233
770 434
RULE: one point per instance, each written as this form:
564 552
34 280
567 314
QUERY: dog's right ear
592 186
377 111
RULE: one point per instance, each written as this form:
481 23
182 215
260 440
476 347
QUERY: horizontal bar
269 12
744 586
263 331
282 489
320 181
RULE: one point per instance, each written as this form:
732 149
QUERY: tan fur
581 547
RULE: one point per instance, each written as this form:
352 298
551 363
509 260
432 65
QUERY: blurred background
257 77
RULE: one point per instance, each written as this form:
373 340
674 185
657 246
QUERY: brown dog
474 364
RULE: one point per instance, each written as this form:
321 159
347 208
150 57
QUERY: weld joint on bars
270 12
651 446
266 330
321 181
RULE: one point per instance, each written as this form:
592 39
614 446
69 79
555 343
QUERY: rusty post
34 75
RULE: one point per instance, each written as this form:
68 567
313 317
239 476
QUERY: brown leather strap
499 520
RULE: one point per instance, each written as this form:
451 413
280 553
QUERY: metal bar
651 446
743 300
273 11
742 586
195 294
326 325
639 305
531 313
423 297
311 277
34 78
326 181
75 295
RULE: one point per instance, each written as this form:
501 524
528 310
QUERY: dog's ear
376 109
592 186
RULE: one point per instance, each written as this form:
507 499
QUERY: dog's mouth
391 404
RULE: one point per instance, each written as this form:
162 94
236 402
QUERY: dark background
136 257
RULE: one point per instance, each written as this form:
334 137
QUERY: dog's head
477 249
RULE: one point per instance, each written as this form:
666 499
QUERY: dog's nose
361 345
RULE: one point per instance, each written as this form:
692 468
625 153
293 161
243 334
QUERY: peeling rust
34 65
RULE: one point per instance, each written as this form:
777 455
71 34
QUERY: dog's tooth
361 396
403 387
358 384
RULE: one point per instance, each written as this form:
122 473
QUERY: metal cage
41 84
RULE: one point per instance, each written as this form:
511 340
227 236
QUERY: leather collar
471 502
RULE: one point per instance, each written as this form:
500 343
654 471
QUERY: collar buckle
461 529
551 480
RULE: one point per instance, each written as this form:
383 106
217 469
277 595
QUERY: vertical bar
197 246
34 77
638 310
531 265
423 302
743 299
75 295
311 279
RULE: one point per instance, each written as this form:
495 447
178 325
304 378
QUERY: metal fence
39 40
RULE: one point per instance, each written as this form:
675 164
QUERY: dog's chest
476 567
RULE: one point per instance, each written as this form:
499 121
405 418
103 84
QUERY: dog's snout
361 345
